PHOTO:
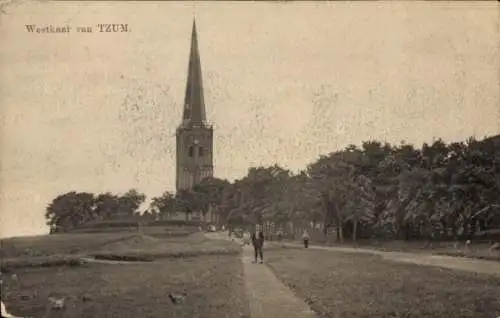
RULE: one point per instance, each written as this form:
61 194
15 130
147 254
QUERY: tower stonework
194 136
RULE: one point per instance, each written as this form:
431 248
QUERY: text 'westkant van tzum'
100 28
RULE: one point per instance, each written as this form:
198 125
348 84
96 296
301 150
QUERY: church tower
194 135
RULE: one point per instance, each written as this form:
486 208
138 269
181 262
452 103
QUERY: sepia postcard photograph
250 159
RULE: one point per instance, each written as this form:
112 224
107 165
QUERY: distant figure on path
246 238
258 244
280 235
305 238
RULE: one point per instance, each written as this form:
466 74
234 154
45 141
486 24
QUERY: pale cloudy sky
283 83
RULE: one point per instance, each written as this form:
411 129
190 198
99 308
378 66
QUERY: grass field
214 285
362 285
209 270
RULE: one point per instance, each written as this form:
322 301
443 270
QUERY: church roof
194 102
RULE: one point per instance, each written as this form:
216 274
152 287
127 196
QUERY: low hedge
10 264
170 234
102 230
193 223
124 258
108 224
120 225
140 257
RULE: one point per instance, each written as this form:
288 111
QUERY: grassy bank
362 285
58 244
68 249
147 248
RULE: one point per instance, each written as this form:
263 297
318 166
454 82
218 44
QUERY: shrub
176 222
146 257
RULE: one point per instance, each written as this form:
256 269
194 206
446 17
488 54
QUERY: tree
70 210
106 206
376 190
332 177
164 205
130 202
208 193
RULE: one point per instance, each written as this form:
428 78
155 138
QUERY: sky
284 83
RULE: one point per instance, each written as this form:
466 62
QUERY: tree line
437 191
75 210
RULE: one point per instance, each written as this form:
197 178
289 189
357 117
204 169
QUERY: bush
149 257
124 258
170 234
176 222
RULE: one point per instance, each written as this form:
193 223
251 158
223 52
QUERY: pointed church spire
194 103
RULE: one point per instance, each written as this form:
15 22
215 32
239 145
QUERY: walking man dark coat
258 244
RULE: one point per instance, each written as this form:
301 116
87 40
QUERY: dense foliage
376 190
440 191
74 209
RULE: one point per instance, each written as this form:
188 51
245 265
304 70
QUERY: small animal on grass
62 306
86 297
177 298
56 303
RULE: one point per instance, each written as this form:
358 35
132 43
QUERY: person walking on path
305 238
258 244
280 236
246 238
